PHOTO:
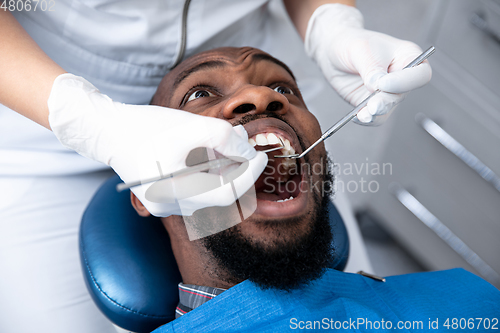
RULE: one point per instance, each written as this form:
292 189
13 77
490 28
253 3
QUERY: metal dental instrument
217 163
347 118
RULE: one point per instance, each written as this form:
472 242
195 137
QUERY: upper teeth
264 139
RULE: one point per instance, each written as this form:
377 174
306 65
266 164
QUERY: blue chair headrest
129 266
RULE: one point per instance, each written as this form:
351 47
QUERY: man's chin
278 221
271 206
274 232
280 204
278 254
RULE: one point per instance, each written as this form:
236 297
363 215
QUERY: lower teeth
283 200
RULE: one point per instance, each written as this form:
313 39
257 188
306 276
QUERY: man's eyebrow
206 65
264 56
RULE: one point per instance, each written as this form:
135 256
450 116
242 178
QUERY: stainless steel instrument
213 164
347 118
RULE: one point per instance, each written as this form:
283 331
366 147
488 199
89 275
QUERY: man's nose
255 100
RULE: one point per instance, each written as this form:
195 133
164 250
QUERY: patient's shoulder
453 280
443 293
345 297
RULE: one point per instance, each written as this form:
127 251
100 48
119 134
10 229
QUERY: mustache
251 117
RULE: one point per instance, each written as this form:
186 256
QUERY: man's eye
283 90
199 94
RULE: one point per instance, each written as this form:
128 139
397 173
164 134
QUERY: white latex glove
138 140
357 62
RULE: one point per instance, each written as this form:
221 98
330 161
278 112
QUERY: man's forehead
219 57
230 55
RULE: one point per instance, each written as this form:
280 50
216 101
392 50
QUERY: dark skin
230 84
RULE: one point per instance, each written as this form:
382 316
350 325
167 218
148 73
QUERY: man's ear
139 207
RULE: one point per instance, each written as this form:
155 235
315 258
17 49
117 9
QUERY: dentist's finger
230 141
405 80
241 131
364 117
383 103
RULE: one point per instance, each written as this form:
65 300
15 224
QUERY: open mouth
280 189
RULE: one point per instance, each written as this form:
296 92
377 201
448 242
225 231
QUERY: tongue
279 193
278 168
270 188
273 185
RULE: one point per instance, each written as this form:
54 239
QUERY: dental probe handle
217 163
347 118
339 124
332 130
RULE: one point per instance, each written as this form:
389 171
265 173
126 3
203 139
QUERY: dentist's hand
140 142
357 62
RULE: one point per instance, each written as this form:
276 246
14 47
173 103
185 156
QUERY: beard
287 263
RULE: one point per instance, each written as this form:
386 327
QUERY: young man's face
290 225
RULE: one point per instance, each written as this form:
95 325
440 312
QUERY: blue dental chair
128 263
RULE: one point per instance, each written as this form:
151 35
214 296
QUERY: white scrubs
124 48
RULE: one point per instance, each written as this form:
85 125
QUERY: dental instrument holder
332 130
